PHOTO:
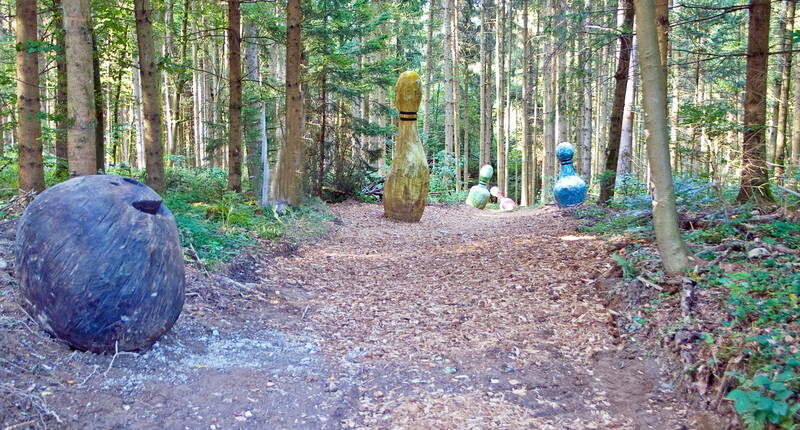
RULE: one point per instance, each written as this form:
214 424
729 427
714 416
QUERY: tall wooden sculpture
406 189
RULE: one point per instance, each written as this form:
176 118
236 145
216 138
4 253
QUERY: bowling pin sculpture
570 189
406 189
479 194
506 204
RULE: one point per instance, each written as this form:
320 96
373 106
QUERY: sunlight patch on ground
570 238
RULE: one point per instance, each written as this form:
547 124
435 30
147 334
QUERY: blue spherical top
564 151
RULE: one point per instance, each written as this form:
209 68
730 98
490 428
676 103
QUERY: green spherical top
486 173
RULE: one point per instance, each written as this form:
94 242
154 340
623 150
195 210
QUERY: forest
270 129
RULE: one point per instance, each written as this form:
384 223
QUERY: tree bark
665 218
99 112
449 102
151 98
31 169
253 118
755 178
500 93
235 97
625 161
548 113
786 78
486 85
526 198
288 184
62 170
426 126
609 176
81 137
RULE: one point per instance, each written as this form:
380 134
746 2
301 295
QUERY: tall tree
486 83
288 183
449 87
528 159
786 78
755 178
151 97
31 170
80 88
624 163
426 120
61 92
609 176
234 97
665 217
500 93
252 118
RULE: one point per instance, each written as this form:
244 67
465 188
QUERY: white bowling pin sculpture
506 204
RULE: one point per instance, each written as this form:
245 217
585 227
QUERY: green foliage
617 225
216 224
768 398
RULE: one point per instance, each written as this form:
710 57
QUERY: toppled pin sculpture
570 189
506 204
479 194
406 189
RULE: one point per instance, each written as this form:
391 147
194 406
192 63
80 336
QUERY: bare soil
467 320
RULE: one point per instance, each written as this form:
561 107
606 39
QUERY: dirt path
469 319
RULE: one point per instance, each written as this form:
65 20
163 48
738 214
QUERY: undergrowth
745 328
214 224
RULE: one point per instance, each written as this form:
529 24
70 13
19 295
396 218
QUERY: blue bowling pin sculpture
570 189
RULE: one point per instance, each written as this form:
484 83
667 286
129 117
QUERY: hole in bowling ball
147 206
132 181
114 183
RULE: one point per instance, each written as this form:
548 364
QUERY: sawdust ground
467 320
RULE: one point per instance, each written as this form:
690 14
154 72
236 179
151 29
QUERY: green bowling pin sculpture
479 194
406 189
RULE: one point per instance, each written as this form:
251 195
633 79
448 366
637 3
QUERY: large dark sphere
100 263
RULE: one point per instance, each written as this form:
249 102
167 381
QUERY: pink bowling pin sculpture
506 204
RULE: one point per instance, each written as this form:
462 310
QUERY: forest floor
467 320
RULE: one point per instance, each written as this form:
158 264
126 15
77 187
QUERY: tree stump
100 263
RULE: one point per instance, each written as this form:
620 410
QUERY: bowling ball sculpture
570 189
479 194
100 264
506 204
406 188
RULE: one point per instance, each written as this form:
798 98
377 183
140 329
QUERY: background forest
247 114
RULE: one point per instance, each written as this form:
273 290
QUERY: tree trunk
586 134
31 170
526 198
549 113
61 94
609 176
449 102
81 137
99 130
486 86
755 178
777 86
665 218
253 117
151 98
235 97
426 126
500 93
625 161
288 184
786 78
